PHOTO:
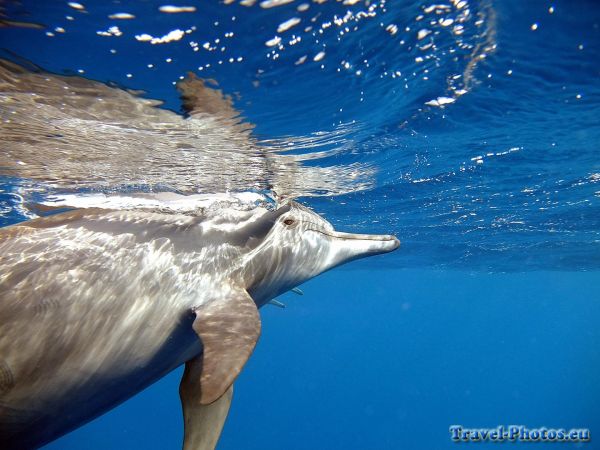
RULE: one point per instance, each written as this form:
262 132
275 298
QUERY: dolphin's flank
115 299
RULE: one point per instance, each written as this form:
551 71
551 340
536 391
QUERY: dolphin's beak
369 244
349 246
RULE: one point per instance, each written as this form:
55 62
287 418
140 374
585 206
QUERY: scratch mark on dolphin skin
44 306
7 380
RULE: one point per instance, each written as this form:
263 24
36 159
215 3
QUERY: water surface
469 129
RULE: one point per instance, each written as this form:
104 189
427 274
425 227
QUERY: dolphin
97 304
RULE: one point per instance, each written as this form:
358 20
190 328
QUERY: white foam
76 5
440 101
173 35
284 26
171 9
121 16
273 3
273 42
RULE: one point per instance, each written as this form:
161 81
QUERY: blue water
488 314
387 359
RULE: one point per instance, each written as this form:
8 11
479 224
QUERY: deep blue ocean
468 129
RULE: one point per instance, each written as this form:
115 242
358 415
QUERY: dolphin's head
299 245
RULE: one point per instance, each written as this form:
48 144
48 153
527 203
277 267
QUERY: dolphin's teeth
297 291
277 303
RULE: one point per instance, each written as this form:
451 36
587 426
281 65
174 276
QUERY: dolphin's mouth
364 237
377 243
368 243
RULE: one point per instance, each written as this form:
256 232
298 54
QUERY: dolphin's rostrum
115 299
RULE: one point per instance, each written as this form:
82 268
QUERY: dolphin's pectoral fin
229 328
202 423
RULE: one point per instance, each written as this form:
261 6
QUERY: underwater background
469 129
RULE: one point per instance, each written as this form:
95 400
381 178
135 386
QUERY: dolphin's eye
289 222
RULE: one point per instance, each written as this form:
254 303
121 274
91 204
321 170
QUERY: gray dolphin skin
97 304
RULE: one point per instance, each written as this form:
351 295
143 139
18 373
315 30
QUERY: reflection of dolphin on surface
71 133
99 302
95 305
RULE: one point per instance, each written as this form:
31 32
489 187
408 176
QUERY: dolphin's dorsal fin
202 423
228 328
